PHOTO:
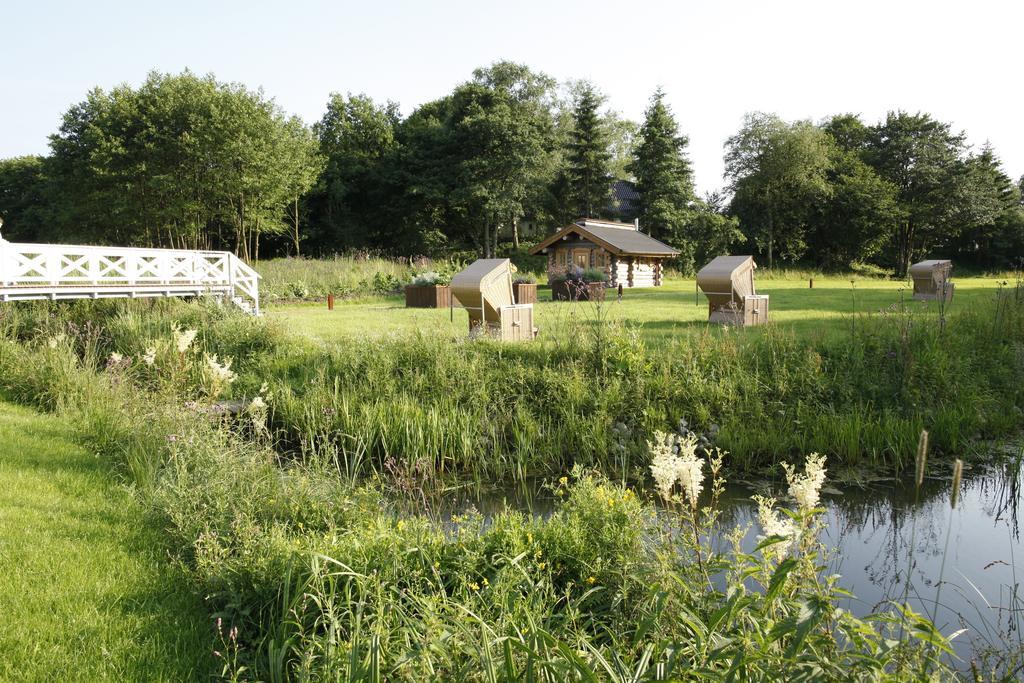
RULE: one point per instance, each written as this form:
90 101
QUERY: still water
875 535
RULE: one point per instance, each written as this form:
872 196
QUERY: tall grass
491 412
316 577
313 579
342 276
358 276
593 393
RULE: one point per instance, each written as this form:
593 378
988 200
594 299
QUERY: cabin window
561 257
599 259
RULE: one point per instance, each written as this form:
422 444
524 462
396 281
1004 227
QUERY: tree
992 231
357 139
777 173
855 220
622 140
181 161
848 132
923 159
23 199
714 233
301 166
501 130
588 156
663 177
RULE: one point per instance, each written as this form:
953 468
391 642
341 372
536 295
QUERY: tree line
188 161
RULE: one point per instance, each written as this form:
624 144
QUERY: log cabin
626 255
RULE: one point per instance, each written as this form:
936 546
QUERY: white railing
58 271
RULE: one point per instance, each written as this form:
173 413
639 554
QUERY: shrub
430 278
525 279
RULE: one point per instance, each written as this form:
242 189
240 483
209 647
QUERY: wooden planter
526 293
569 290
428 296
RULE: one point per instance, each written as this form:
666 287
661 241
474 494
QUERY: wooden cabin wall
643 272
630 271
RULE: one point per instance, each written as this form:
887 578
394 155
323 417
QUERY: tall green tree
923 158
853 222
848 132
301 165
992 232
588 156
777 173
502 129
24 198
714 232
358 140
180 161
622 141
664 178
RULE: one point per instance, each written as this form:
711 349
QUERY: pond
875 535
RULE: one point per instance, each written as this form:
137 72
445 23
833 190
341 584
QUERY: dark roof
625 190
618 238
624 199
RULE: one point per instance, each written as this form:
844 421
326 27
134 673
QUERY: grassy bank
316 578
86 588
594 387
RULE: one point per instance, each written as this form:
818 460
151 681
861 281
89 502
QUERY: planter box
568 290
428 296
526 293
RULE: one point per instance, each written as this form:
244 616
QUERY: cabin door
581 259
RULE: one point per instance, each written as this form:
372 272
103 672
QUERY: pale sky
807 59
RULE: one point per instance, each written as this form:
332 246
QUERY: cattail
958 473
922 457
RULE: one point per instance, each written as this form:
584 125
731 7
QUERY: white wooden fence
59 271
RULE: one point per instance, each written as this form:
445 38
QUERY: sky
716 60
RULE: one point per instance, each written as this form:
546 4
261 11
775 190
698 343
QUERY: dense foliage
189 161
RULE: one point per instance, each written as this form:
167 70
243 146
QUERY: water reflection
876 536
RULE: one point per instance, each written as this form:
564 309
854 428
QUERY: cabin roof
618 238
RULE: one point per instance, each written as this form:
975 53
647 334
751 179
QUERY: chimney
636 224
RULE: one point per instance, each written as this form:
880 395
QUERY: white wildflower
674 460
220 373
115 358
806 488
664 463
183 338
774 524
149 358
257 413
690 469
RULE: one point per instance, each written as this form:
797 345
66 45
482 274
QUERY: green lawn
662 312
86 590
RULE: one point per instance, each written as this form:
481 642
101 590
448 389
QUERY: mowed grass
660 313
87 591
